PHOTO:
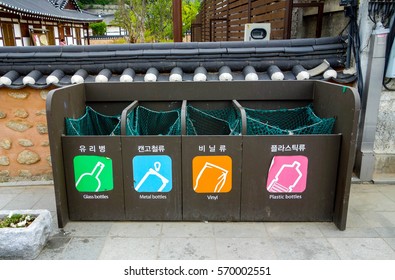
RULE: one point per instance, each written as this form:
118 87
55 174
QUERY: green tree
131 16
190 9
86 3
98 28
159 21
152 20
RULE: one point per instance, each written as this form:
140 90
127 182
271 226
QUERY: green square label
93 173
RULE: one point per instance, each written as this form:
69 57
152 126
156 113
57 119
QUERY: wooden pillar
177 21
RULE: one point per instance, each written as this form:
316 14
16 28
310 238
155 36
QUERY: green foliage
98 28
16 221
131 16
152 20
190 9
119 41
159 21
96 2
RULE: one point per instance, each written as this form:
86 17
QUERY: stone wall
24 145
304 20
384 144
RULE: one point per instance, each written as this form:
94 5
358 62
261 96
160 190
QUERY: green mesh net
213 122
143 121
287 121
94 123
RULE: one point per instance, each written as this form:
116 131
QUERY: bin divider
243 116
184 118
125 113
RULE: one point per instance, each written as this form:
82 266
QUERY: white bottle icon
286 178
90 181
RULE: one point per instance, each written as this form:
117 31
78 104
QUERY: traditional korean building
43 22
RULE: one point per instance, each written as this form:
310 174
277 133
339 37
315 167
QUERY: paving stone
302 248
187 249
136 229
238 230
362 248
245 248
83 248
187 229
130 248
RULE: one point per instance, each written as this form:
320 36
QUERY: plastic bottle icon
153 172
89 181
286 178
211 178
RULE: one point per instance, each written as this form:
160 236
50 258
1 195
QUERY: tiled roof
47 9
41 67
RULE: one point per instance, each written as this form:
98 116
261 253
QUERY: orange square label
212 174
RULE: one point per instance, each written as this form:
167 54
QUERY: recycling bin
151 158
209 151
211 156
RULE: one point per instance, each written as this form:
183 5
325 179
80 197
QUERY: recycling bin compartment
151 158
211 156
289 164
295 153
92 161
289 178
93 176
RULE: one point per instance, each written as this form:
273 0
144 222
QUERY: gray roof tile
45 8
164 57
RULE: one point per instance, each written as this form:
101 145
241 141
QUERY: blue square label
152 173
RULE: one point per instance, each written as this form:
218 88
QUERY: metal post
177 21
365 159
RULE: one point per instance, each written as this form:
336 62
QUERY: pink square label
287 174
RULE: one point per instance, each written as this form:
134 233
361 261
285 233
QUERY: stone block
41 113
19 125
3 115
44 94
28 157
45 143
4 175
21 113
25 142
5 144
4 161
42 128
25 173
25 243
49 160
385 163
19 95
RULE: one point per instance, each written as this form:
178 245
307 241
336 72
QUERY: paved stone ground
370 233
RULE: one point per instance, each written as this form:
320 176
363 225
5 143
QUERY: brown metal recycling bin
325 161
